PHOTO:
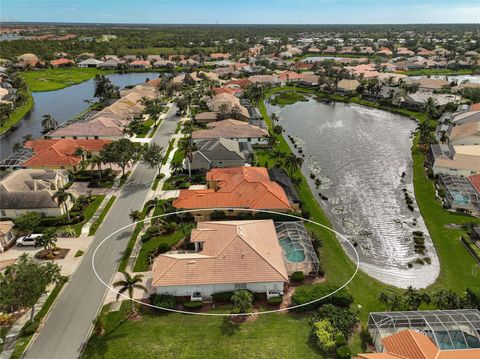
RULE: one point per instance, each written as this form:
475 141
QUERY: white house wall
209 289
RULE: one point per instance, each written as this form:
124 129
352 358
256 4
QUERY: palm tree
62 198
292 162
135 216
444 137
130 283
48 241
431 106
242 301
49 123
97 161
176 167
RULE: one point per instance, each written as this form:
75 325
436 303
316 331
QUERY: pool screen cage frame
296 231
454 323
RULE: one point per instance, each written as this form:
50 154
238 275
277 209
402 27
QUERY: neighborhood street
68 325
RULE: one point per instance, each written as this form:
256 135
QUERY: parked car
30 240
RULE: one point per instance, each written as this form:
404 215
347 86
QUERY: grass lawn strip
88 213
96 224
17 114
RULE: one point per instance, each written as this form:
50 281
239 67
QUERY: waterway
63 105
362 160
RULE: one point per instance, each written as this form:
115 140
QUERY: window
240 286
3 213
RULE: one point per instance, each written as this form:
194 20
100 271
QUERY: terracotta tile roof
60 152
233 252
475 181
475 107
242 187
101 126
230 129
410 344
61 62
243 83
465 130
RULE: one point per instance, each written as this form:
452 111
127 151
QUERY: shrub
193 304
30 328
343 352
298 276
324 335
340 339
164 301
275 301
341 319
217 215
222 296
162 248
305 294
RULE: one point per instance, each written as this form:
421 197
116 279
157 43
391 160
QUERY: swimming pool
294 252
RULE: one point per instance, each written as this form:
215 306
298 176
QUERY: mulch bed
58 253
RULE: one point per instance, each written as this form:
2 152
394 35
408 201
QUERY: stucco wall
209 289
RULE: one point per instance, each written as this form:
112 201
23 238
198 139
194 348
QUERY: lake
63 105
459 78
362 159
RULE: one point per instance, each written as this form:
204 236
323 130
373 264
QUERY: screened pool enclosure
298 252
448 329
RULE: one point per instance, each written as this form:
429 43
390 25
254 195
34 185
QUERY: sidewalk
86 226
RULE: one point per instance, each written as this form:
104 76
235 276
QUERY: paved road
70 320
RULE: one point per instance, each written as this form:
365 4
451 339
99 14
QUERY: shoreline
17 115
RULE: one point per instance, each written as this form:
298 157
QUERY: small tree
49 123
48 241
242 301
28 221
129 283
153 156
135 215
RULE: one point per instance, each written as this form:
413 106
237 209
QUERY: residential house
163 63
235 187
62 62
139 64
221 153
347 87
426 84
417 101
232 129
99 127
229 255
28 190
467 134
219 56
206 117
59 153
230 102
28 60
7 237
444 159
112 64
90 63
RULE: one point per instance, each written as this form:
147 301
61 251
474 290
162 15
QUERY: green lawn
141 265
426 72
169 149
17 114
96 224
145 128
183 336
55 79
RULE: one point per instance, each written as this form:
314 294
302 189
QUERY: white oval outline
227 314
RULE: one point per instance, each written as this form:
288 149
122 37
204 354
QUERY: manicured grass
158 177
79 253
17 114
23 340
55 79
426 72
88 213
141 265
183 336
288 98
169 149
96 224
145 128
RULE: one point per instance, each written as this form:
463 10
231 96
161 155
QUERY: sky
242 11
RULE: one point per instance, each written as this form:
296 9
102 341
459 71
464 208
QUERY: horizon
243 12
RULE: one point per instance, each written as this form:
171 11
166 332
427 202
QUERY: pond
362 164
63 105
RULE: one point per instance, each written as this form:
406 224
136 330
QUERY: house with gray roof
220 152
29 190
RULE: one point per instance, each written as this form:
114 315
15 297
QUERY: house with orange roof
60 153
61 63
219 56
411 344
100 127
228 255
140 64
235 187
